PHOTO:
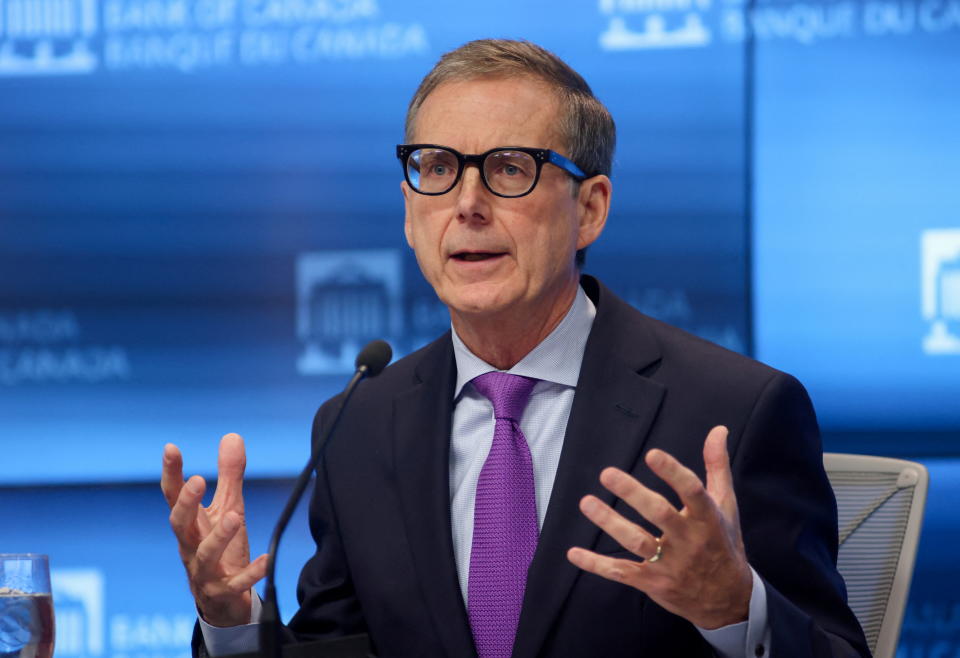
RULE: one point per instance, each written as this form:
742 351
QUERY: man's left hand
702 573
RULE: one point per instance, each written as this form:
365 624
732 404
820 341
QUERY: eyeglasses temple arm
566 165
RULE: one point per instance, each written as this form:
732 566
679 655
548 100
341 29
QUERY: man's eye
439 169
511 170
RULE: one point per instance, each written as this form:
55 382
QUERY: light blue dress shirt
556 363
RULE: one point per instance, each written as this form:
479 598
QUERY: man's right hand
213 540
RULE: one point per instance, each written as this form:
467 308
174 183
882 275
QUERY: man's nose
473 198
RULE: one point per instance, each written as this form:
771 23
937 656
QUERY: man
460 513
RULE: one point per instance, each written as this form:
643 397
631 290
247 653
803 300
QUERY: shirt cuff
745 639
234 639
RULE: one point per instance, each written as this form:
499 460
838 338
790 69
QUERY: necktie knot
508 393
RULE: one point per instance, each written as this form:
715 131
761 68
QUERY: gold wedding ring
656 556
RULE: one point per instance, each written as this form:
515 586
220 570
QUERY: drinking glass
26 606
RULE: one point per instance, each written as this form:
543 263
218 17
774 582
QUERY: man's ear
593 205
407 228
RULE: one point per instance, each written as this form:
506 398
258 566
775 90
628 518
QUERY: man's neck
503 339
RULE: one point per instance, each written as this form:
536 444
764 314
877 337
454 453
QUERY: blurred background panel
856 247
201 223
857 216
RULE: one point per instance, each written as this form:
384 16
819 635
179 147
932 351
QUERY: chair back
880 504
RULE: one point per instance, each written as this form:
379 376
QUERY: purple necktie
504 520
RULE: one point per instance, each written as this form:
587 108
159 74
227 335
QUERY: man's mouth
472 256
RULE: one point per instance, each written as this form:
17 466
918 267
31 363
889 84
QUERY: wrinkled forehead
485 112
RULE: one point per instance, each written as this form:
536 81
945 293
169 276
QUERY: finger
719 476
211 549
231 463
171 477
717 461
183 516
681 479
629 535
611 568
648 503
250 575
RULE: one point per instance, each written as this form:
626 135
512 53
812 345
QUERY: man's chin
480 303
477 309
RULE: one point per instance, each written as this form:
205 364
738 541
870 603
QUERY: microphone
374 357
370 362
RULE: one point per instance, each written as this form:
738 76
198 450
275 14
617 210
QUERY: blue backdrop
180 255
857 231
183 256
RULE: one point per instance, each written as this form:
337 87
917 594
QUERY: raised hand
213 540
698 569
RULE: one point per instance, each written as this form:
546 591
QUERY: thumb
719 476
231 463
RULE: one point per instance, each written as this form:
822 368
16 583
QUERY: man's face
484 254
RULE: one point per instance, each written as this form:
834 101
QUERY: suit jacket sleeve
789 519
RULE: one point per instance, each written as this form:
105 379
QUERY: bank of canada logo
78 601
654 24
941 290
344 300
47 37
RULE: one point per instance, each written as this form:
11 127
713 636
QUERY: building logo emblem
940 273
655 24
47 37
78 599
344 300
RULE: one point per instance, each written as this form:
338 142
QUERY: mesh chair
880 511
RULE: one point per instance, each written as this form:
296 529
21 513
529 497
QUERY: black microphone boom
370 362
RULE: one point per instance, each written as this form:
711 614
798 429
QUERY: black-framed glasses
507 171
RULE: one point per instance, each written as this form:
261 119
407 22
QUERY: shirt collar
556 359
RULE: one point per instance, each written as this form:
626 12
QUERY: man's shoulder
669 352
699 380
405 373
690 348
419 364
373 396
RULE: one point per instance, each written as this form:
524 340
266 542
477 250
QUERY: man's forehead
496 111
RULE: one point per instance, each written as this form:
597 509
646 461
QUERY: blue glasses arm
565 164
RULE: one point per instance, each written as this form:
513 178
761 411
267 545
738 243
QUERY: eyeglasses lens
510 173
432 170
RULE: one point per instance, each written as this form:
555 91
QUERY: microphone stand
270 638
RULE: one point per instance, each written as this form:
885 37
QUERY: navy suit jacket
381 513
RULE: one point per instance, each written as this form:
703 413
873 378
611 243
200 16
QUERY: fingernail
194 486
609 476
590 505
229 523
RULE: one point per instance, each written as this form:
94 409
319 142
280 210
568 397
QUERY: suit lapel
422 446
613 410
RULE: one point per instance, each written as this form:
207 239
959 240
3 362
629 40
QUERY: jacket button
759 651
